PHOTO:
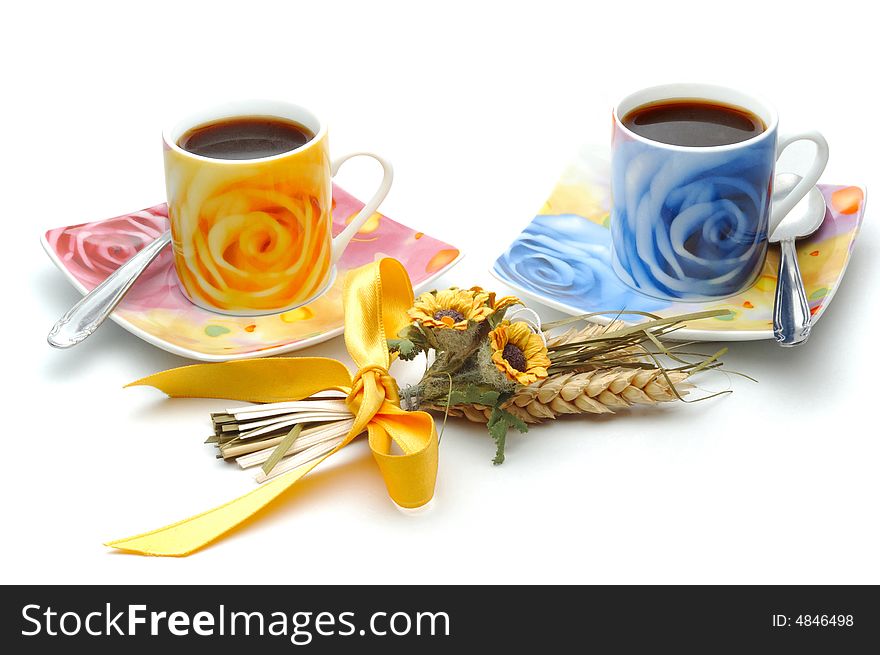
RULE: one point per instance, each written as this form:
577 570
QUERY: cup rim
718 93
252 107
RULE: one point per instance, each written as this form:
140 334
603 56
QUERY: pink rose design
92 251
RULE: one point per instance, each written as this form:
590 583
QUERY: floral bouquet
491 361
488 359
494 363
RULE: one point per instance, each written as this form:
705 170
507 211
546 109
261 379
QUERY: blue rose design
690 225
567 258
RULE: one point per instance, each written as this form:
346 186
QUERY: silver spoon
87 315
791 313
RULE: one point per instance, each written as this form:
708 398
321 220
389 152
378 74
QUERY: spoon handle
87 315
791 313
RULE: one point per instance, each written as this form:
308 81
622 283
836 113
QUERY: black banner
436 619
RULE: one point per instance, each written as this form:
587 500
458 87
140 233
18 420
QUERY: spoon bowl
805 217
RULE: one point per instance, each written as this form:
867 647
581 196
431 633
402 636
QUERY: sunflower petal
519 334
505 302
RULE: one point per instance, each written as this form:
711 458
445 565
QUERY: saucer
563 259
156 311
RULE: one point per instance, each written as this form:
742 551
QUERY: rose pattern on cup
253 237
252 245
686 225
569 258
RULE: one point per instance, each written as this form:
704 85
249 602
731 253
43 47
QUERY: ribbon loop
376 298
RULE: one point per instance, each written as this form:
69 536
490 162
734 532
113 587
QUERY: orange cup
254 236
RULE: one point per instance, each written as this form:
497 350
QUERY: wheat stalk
591 330
601 391
603 384
627 353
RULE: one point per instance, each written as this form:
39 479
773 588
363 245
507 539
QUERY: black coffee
693 122
245 137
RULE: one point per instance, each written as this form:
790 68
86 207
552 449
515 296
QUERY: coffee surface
693 122
245 137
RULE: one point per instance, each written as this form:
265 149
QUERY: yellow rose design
253 239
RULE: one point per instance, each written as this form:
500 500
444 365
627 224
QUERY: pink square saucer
156 311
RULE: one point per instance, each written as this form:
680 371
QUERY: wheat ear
602 391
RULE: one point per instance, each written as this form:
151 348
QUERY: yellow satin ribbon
376 298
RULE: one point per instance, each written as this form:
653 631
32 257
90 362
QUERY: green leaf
410 342
405 348
496 317
500 421
474 394
412 332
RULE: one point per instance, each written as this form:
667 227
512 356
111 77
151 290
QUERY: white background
479 106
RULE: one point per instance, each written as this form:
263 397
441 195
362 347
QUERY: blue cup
691 222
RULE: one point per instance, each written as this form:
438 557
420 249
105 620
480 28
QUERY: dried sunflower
519 352
451 308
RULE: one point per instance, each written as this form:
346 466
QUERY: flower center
515 357
455 315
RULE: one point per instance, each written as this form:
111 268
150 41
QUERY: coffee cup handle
341 240
810 178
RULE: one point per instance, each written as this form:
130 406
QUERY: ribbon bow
376 299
